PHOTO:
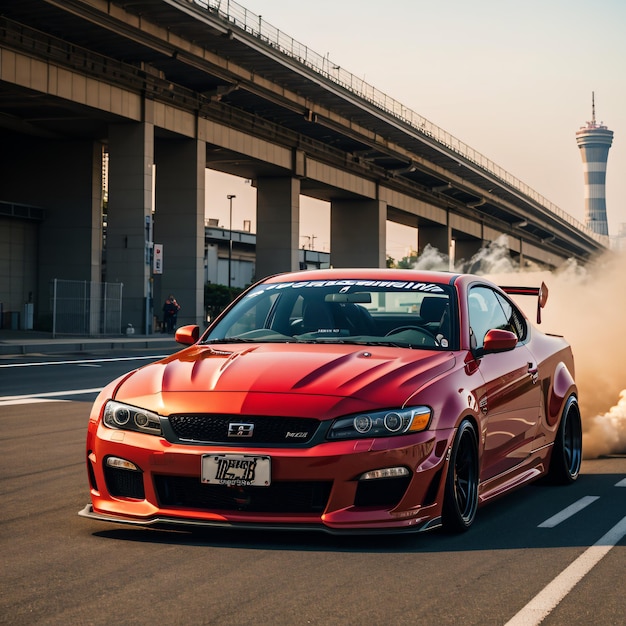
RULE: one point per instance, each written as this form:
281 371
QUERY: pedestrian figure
170 314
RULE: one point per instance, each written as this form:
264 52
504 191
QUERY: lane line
568 512
549 597
621 483
83 361
29 401
46 396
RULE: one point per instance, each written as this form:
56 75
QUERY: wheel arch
563 387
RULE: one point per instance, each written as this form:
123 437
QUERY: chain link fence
85 308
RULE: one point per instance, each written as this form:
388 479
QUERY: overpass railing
253 24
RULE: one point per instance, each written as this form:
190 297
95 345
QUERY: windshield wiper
228 340
318 340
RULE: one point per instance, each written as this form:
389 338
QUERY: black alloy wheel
567 452
461 491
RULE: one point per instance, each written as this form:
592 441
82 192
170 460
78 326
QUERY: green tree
408 262
217 298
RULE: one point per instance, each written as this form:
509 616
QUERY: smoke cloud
587 306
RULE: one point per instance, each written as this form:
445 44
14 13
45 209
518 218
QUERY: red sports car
354 401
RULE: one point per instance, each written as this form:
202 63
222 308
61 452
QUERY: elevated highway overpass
187 85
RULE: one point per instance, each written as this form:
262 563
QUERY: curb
55 346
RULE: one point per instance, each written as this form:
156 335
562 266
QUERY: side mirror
497 340
187 335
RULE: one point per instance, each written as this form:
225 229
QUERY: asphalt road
60 568
60 375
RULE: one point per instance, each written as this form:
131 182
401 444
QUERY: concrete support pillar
358 233
179 226
521 259
465 249
131 160
439 237
278 226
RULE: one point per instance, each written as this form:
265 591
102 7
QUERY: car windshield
369 312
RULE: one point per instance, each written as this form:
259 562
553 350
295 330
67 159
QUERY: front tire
460 501
567 451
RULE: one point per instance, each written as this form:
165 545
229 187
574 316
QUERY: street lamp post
230 236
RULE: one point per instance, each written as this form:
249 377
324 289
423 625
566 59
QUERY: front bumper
170 492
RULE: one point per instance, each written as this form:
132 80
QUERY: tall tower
594 141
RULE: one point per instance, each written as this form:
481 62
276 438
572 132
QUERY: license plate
236 469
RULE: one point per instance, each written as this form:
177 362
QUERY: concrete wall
64 179
18 267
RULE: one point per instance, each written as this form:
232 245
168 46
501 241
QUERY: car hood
283 378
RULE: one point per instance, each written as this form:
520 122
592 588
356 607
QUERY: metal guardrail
253 24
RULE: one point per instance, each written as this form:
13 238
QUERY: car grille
122 483
206 427
384 492
279 497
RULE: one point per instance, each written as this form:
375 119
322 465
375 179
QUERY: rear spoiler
540 292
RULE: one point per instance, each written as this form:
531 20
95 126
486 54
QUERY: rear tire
460 501
567 451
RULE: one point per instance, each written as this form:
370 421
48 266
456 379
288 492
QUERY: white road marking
550 596
48 396
28 401
85 361
568 512
621 483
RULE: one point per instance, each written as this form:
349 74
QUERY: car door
510 398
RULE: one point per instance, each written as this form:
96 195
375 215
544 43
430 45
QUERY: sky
511 79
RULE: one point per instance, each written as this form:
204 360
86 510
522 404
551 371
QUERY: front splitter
164 522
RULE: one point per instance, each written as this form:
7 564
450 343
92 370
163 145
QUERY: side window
485 313
514 319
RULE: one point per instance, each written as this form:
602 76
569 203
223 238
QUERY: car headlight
125 417
381 423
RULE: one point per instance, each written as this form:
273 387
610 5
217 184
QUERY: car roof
446 278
